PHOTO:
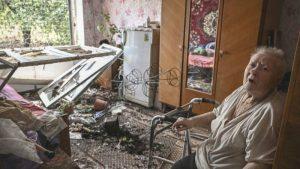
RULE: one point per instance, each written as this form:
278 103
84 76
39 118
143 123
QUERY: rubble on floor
116 137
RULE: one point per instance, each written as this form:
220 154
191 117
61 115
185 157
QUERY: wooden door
196 21
288 154
239 36
171 50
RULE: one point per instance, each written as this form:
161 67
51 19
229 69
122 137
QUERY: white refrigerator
140 66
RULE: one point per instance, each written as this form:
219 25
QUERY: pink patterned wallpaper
123 13
132 13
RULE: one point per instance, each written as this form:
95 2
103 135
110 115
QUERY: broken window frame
73 95
76 88
14 60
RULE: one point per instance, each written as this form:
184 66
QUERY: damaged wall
92 18
123 13
132 13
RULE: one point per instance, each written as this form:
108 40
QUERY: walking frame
182 111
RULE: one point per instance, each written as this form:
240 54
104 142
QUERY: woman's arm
203 119
255 165
200 120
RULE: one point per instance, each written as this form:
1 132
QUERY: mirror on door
202 44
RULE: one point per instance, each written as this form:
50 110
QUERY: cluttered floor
117 136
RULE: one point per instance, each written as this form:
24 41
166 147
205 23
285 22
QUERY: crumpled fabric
13 141
23 118
50 124
11 94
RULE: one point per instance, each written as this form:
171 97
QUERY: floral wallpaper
132 13
123 13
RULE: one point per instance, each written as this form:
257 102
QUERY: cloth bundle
16 120
14 141
23 118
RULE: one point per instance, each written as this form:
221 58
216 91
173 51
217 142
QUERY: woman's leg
187 162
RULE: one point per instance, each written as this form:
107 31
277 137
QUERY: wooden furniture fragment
64 137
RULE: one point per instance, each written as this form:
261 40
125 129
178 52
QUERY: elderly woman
244 128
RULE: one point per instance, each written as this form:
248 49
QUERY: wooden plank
52 50
7 63
288 154
67 47
64 136
15 55
65 59
62 56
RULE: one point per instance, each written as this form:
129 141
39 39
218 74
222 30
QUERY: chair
171 117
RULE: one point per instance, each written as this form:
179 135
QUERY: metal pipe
155 120
163 129
160 118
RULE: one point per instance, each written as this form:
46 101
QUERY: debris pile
116 129
111 133
106 127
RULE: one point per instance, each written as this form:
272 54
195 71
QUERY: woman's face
262 75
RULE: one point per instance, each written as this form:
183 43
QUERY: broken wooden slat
66 59
55 51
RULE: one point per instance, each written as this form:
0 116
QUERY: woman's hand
203 120
182 124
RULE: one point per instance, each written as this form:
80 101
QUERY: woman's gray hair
274 52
